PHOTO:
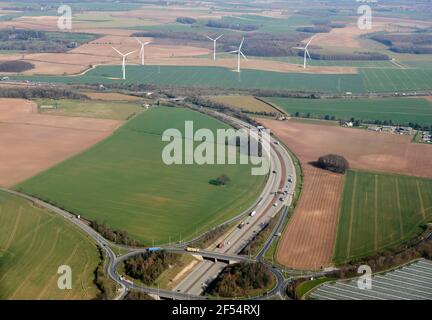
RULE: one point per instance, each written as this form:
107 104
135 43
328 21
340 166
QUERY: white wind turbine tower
239 54
124 61
214 45
306 52
142 50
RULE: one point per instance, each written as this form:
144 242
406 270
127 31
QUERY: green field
124 182
367 80
33 244
379 211
90 108
399 110
208 77
396 80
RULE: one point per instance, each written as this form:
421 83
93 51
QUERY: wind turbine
239 54
214 45
306 52
142 52
124 61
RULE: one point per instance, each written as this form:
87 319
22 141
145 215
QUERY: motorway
281 170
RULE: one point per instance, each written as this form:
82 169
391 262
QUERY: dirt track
31 142
309 239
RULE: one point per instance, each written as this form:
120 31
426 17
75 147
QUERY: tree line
356 56
40 93
256 44
359 122
107 288
116 236
233 26
413 43
35 41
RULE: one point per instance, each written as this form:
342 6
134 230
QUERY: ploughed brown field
318 208
306 241
31 142
365 150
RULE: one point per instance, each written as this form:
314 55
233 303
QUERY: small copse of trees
16 66
186 20
334 163
148 266
241 279
220 181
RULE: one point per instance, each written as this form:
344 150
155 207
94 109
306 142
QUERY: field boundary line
44 260
348 249
376 214
399 208
48 283
422 208
12 235
399 65
272 105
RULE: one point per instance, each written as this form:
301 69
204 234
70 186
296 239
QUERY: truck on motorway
153 249
241 225
190 249
252 213
221 245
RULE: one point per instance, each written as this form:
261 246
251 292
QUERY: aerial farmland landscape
256 151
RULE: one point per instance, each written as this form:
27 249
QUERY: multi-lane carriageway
281 170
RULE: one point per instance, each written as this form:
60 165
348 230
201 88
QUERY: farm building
375 128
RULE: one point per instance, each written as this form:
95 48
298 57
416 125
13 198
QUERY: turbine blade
235 51
244 56
146 43
298 48
241 44
307 52
127 54
219 37
310 40
138 40
209 38
117 51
